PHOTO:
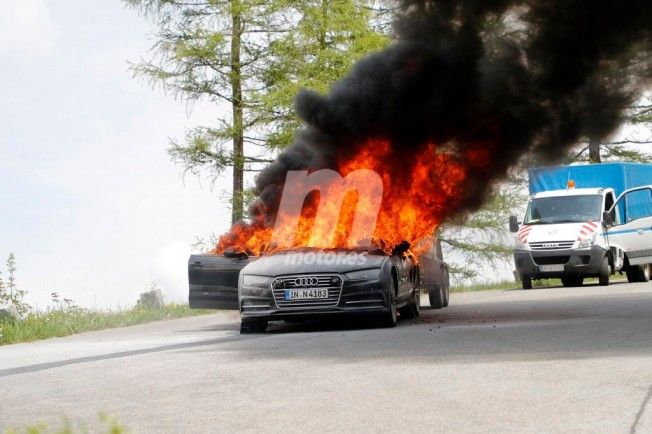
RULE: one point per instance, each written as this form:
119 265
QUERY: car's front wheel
572 281
390 318
413 308
252 325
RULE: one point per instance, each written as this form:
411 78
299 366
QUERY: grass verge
108 424
69 321
510 284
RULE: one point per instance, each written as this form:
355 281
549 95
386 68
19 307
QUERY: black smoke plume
514 77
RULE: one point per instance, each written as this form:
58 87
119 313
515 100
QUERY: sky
90 202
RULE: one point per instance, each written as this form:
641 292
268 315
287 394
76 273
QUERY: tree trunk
237 207
438 248
594 151
323 24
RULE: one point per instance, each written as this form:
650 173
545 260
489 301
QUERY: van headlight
587 242
520 245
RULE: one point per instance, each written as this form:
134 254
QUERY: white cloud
26 29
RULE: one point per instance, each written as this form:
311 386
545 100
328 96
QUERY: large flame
417 196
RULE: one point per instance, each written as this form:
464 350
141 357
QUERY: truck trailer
586 221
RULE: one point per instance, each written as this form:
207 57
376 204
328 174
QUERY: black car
309 283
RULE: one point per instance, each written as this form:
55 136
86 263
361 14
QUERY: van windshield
564 209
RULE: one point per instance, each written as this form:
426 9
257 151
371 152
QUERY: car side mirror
513 223
606 218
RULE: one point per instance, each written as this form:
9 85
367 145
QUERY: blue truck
586 221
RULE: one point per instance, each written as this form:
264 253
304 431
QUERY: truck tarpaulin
619 176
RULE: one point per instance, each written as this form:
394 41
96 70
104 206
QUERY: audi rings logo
306 281
550 245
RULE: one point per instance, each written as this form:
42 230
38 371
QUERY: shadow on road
558 328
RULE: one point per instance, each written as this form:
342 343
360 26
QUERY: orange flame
418 196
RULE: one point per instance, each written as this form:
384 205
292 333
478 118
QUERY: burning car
315 283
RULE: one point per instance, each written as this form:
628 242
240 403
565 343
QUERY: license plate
551 268
305 294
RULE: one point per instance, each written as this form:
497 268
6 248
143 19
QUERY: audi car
310 284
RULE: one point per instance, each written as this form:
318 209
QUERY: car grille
552 245
333 282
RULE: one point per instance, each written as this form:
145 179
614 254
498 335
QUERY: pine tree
11 277
15 295
329 37
254 56
4 297
213 51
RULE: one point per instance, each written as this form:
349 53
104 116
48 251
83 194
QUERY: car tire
447 288
390 318
572 281
526 282
250 326
605 272
413 308
436 297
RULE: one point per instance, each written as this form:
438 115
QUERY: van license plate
551 268
305 294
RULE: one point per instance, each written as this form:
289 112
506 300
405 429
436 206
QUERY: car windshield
563 209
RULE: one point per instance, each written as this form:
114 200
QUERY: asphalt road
546 360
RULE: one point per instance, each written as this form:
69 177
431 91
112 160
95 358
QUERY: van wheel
526 282
638 273
605 271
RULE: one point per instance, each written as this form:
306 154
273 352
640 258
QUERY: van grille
552 245
332 282
551 260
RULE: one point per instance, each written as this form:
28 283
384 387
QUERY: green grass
107 424
506 284
69 321
510 284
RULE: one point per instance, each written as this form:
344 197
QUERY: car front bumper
576 262
357 298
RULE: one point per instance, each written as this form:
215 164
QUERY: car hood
557 232
307 261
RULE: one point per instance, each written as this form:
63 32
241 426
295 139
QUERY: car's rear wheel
252 326
437 297
447 287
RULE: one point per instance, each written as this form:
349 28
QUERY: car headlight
371 274
254 280
587 242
